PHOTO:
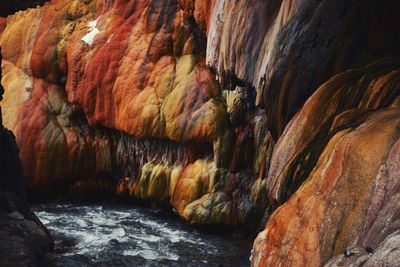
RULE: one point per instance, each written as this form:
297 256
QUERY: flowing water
115 235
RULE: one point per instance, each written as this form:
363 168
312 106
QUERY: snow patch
109 39
92 32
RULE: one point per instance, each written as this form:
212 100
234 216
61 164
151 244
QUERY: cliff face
348 198
101 90
326 149
226 110
286 49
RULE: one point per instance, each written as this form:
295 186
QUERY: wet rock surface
286 49
101 91
347 202
277 113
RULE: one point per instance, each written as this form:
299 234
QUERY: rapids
115 235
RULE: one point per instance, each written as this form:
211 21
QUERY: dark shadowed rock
11 6
24 241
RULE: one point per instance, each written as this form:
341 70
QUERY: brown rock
336 205
286 49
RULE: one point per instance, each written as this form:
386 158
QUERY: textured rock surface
205 105
349 199
298 46
103 90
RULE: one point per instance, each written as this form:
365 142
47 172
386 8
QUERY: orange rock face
126 66
159 85
285 51
337 205
103 90
232 112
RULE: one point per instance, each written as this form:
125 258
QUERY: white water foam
151 255
133 236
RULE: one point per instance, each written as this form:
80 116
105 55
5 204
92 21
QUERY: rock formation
300 45
104 90
232 112
286 49
349 199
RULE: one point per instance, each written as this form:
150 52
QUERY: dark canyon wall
24 241
229 111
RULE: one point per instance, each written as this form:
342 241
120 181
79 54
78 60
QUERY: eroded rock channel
269 116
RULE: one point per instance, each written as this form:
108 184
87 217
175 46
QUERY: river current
118 235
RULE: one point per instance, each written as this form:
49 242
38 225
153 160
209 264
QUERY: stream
122 235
